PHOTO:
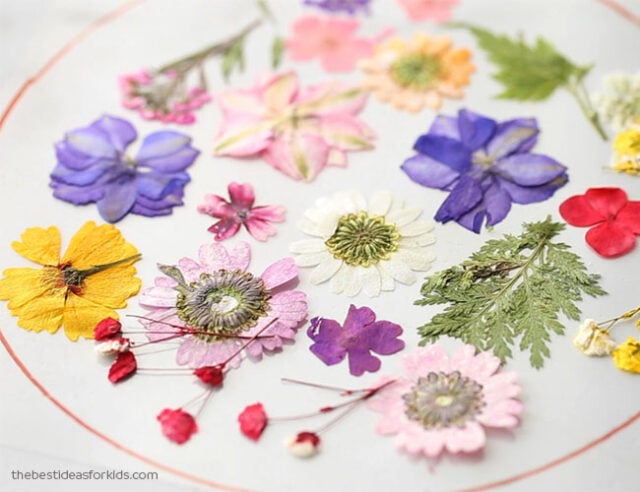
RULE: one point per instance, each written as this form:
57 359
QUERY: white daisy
360 246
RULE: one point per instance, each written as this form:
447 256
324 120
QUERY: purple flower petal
464 197
529 169
167 151
118 198
78 195
497 204
513 136
361 361
445 126
324 332
86 177
120 132
156 186
427 172
446 150
72 158
91 143
532 194
383 338
475 129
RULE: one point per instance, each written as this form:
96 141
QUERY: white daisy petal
308 227
340 279
416 259
404 216
311 259
398 270
306 246
371 281
380 203
386 281
415 228
327 226
325 270
355 282
418 241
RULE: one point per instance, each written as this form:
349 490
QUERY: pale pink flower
225 304
444 403
298 131
437 10
240 211
332 39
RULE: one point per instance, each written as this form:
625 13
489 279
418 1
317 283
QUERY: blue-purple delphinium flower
485 165
360 335
347 6
93 167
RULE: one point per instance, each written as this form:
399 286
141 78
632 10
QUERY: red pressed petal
310 437
253 421
610 240
106 329
124 366
607 201
629 217
241 194
211 375
177 425
577 212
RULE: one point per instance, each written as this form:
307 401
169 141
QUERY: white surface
570 402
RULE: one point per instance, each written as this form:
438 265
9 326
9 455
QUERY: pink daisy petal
214 257
158 297
190 269
280 273
240 257
431 359
467 439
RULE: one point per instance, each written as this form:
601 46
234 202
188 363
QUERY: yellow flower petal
43 313
96 245
627 356
112 287
39 245
21 285
81 316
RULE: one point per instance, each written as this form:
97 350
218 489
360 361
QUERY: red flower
616 219
123 367
211 375
253 420
177 425
106 329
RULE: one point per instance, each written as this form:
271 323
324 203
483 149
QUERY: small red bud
253 421
124 366
211 375
106 329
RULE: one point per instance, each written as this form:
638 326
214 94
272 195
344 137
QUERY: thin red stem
346 392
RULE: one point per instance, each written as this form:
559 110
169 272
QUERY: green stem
100 268
579 92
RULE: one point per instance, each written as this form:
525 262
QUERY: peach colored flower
412 75
437 10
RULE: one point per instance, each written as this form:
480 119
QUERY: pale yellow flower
627 356
412 75
627 151
592 340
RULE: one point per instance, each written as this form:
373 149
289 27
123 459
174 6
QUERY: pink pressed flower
225 304
240 211
332 39
444 403
437 10
253 420
177 425
297 131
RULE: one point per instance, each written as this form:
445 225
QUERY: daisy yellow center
223 303
363 240
442 400
416 71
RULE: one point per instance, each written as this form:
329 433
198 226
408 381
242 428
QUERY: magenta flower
444 403
360 335
332 39
225 305
297 131
240 211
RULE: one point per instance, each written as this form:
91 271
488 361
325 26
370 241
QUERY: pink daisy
444 404
226 304
240 211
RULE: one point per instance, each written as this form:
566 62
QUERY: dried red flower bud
177 425
253 420
304 444
106 329
211 375
124 366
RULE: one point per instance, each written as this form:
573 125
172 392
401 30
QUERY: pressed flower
241 212
93 167
211 375
177 425
253 420
360 335
444 403
343 6
485 165
614 220
304 444
360 246
619 103
94 277
106 329
297 131
419 73
437 10
592 340
222 304
627 151
627 356
123 367
331 39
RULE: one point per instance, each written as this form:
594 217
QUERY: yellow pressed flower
627 356
419 73
627 148
95 276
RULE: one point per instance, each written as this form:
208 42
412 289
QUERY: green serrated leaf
277 52
511 290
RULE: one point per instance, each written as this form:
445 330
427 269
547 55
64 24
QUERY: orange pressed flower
419 73
94 277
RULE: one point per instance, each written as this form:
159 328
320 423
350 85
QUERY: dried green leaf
277 52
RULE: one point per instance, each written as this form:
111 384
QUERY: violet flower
93 167
342 6
360 335
485 165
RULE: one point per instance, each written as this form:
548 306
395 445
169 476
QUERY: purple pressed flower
485 165
348 6
93 167
360 335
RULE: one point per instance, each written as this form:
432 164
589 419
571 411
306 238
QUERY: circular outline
94 26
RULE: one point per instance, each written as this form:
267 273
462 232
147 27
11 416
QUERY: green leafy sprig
533 72
511 289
